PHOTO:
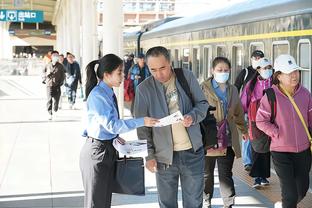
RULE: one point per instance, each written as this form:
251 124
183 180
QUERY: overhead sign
21 15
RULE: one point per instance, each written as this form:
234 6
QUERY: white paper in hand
136 148
171 119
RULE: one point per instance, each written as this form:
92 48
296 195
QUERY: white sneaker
278 204
50 117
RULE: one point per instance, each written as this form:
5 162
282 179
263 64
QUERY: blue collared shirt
222 95
102 120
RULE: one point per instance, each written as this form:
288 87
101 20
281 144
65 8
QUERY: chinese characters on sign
21 16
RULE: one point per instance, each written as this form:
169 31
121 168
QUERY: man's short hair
257 53
53 52
158 51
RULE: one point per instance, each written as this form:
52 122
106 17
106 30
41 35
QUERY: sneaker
50 117
247 168
264 182
257 183
278 204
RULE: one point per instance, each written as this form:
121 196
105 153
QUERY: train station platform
39 159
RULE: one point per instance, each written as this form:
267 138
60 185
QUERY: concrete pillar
74 35
6 50
90 43
112 37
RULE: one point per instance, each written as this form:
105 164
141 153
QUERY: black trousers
293 172
225 165
97 164
53 94
261 164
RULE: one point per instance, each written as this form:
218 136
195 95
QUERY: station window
237 61
185 58
195 62
304 61
176 63
280 47
221 51
207 61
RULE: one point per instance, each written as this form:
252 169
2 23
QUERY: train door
207 61
237 61
278 48
304 61
196 62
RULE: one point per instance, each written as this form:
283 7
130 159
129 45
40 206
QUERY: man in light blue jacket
174 151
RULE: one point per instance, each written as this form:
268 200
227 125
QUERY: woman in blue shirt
98 156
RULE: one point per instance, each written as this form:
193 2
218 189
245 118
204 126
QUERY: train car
273 26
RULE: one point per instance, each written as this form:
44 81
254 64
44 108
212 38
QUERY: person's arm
240 79
104 115
199 111
141 110
263 118
78 74
44 74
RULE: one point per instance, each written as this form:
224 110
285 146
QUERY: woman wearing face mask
290 146
224 97
250 98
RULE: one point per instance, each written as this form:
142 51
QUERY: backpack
208 126
260 142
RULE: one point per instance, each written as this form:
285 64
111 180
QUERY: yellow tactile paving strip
271 192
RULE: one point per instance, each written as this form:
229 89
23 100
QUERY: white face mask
254 63
55 59
221 77
266 74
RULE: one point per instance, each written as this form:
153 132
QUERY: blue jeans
246 152
189 167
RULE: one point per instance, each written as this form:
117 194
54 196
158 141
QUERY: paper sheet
171 119
135 148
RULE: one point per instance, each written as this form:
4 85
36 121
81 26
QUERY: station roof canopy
47 6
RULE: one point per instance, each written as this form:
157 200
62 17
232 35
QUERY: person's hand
150 122
188 120
137 77
245 136
121 140
151 165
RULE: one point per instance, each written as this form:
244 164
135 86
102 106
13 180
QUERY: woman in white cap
250 98
290 145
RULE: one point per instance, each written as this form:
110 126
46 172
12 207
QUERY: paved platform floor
39 158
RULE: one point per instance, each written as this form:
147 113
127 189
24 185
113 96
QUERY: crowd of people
60 74
267 106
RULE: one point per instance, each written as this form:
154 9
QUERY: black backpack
208 126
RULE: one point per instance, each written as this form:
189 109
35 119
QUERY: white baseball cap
286 64
262 63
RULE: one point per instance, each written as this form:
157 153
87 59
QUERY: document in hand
135 148
171 119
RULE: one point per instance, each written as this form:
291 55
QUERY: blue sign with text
21 15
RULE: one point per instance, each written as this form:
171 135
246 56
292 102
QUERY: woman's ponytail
92 79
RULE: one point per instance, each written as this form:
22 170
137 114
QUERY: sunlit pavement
39 159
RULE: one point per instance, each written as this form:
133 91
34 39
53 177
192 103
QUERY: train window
176 62
304 61
207 61
256 46
185 58
195 62
237 61
221 51
280 47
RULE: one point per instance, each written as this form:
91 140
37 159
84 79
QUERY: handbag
222 138
129 176
299 114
